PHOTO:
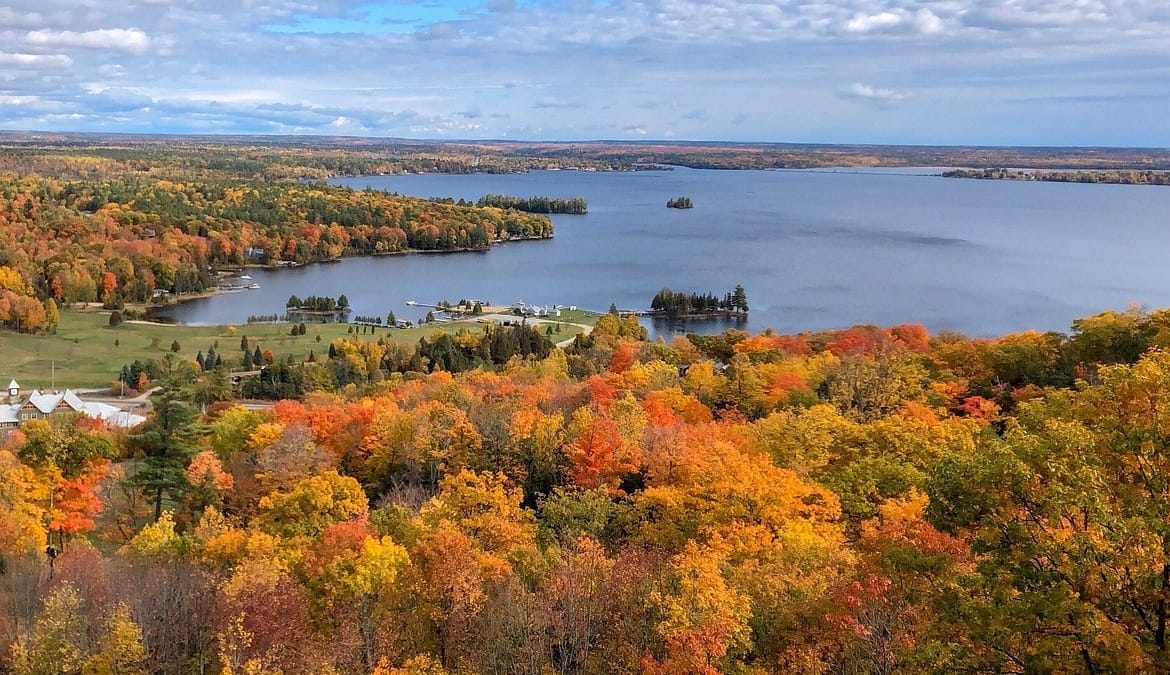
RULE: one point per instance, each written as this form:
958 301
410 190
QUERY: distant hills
609 154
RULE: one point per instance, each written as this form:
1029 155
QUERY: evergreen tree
739 299
169 439
175 346
257 357
243 343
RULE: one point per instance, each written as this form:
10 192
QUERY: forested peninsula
572 205
1121 177
127 237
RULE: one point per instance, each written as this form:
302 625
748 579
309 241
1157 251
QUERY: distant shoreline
1107 177
149 309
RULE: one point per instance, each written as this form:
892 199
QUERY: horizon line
610 141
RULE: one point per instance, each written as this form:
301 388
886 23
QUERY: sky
951 72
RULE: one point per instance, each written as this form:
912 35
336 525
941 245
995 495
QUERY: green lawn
82 353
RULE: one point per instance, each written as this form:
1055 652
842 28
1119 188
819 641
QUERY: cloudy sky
991 72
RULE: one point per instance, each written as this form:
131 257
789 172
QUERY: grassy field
86 352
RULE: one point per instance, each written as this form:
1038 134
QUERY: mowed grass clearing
86 352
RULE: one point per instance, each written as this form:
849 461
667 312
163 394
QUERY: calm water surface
814 250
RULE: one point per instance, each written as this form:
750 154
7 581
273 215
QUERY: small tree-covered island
681 303
680 203
317 309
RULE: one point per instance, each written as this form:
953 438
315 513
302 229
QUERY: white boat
245 276
253 286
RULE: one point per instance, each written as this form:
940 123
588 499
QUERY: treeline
314 303
267 160
573 205
357 362
1112 176
681 303
299 158
367 319
352 361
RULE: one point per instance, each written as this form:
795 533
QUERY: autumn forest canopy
867 500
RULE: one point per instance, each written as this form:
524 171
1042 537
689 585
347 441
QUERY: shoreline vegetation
571 206
1114 177
680 203
127 220
121 238
680 304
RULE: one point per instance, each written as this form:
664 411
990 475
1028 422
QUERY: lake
813 249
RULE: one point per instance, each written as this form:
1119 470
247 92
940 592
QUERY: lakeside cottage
536 310
39 405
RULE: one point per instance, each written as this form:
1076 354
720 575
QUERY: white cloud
129 40
863 23
719 69
871 93
18 100
10 17
35 60
347 125
924 21
927 22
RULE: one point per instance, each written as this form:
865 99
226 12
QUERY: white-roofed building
39 405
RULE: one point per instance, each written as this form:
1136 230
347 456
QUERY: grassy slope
84 354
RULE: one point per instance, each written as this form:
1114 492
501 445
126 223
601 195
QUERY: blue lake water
813 249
